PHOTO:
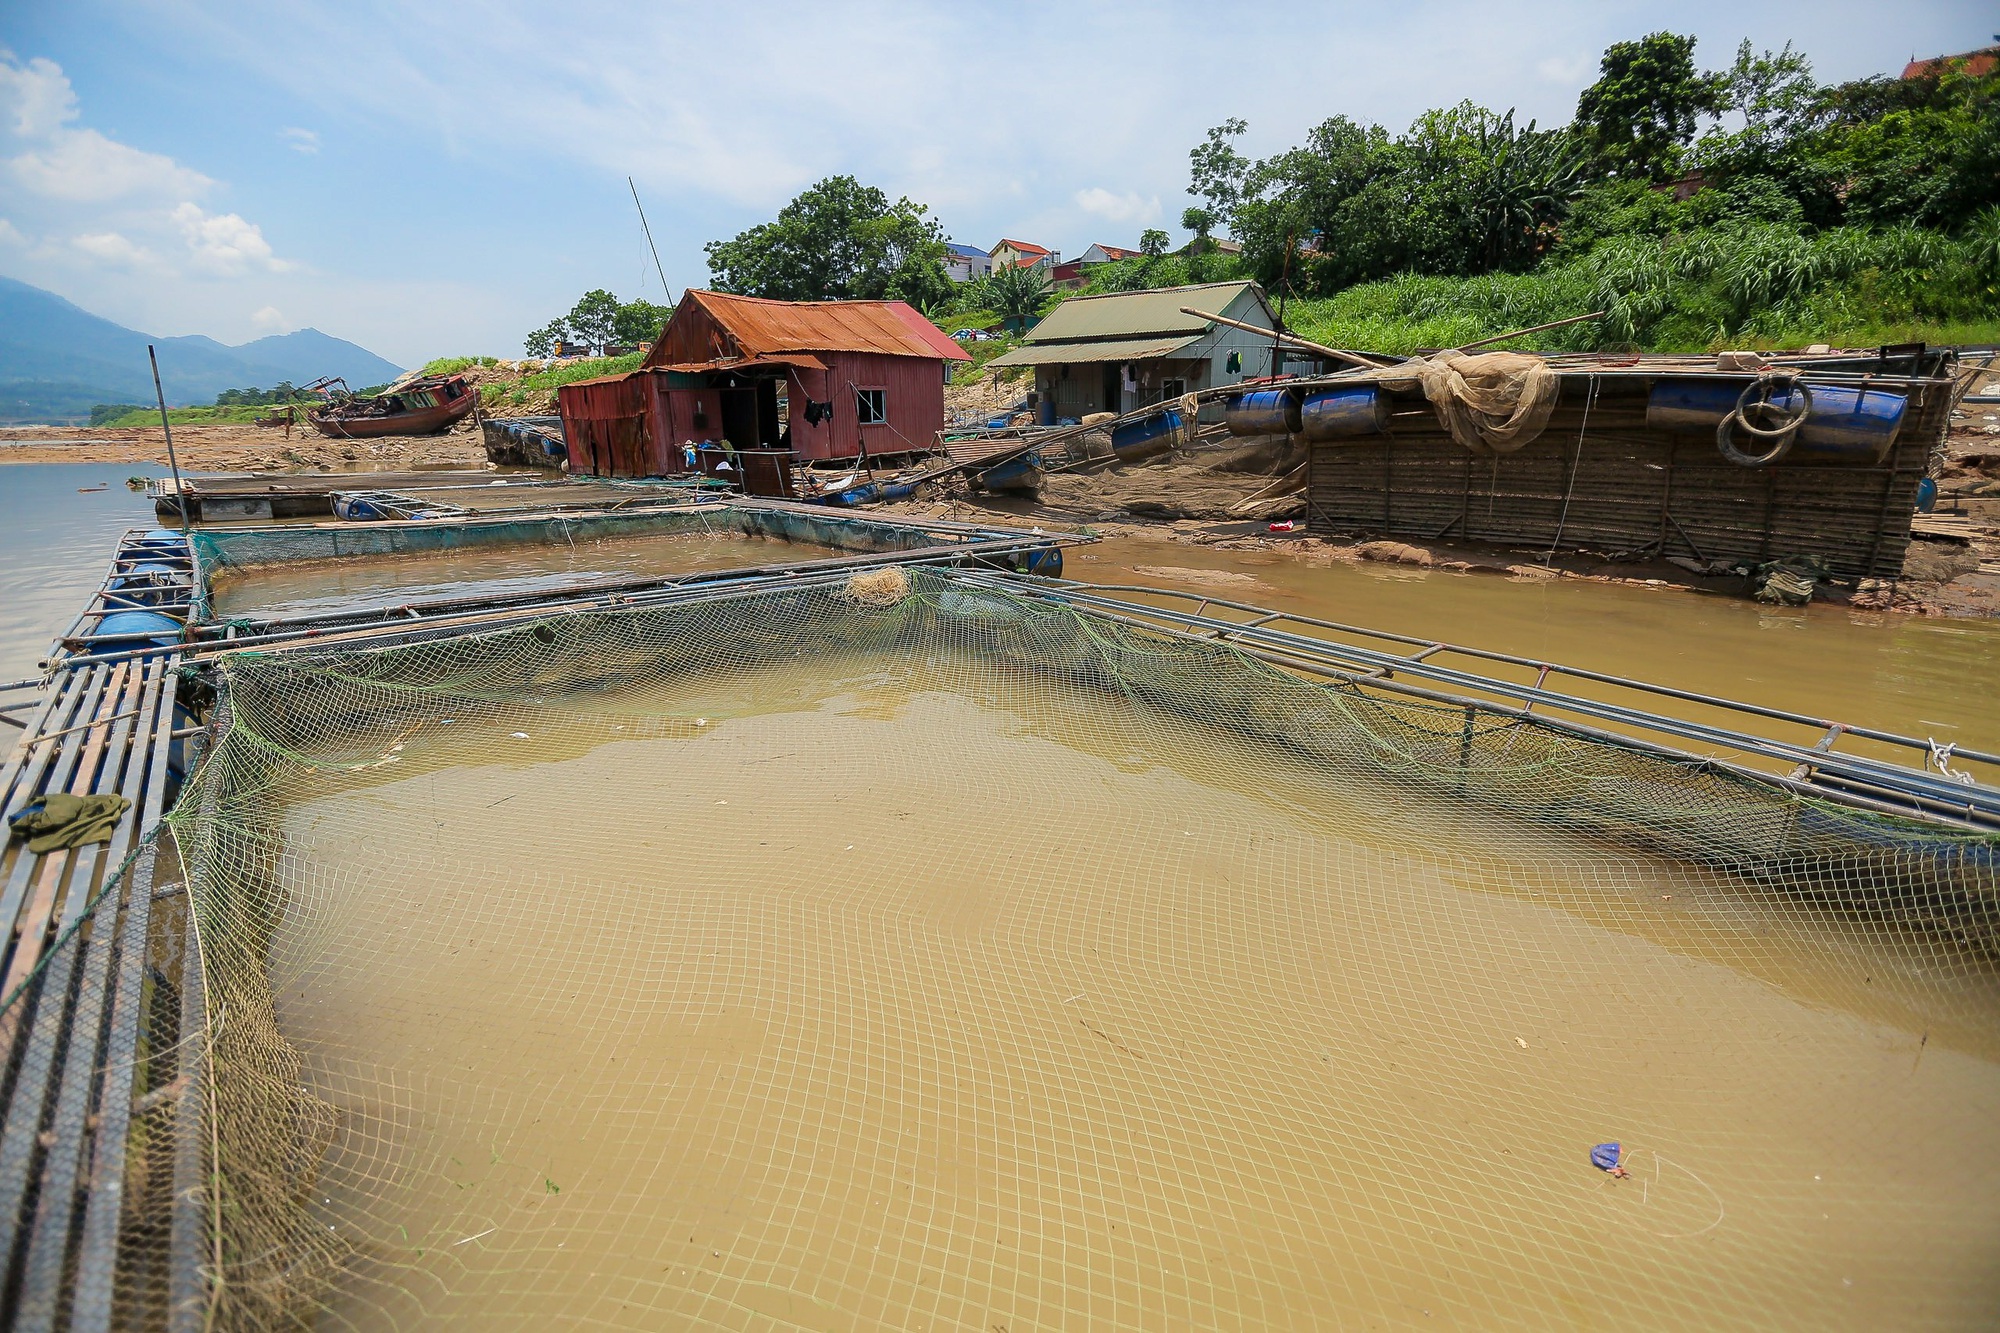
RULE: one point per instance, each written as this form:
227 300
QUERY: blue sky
438 179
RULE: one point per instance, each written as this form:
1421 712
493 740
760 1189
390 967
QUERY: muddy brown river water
864 993
314 587
1915 675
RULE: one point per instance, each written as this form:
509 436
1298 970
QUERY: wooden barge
1628 463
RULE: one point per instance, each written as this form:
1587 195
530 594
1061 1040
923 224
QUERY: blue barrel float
1265 412
1145 437
149 583
1344 413
1846 424
136 629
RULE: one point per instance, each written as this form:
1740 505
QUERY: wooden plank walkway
75 988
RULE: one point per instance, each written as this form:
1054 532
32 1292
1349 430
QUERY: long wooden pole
1556 324
180 491
1351 358
665 295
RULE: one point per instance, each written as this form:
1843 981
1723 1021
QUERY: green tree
838 241
1643 109
1332 202
1152 242
1200 221
593 320
1015 293
544 341
639 321
1217 172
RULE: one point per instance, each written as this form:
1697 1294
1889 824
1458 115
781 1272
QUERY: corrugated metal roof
771 328
1137 314
1104 349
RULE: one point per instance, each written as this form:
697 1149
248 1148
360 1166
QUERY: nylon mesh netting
902 954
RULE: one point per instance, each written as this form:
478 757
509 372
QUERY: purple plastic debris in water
1605 1157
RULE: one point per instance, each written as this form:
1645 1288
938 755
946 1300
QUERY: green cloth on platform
55 822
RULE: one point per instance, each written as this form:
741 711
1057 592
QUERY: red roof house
1974 64
854 377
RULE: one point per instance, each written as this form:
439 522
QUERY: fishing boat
1021 475
421 407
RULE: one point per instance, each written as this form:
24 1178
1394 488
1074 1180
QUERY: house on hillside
1076 273
1974 64
966 263
1125 350
1099 253
760 382
1022 254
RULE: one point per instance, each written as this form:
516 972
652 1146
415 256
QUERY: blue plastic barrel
1344 413
149 583
358 509
1847 423
1145 437
1265 412
162 537
1926 494
162 629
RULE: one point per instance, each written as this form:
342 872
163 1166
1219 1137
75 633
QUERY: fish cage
889 945
326 574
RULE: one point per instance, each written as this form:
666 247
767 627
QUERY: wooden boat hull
424 421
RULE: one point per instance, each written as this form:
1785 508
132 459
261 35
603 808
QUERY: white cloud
66 163
224 243
36 95
112 249
11 234
271 319
1100 202
82 166
300 141
122 207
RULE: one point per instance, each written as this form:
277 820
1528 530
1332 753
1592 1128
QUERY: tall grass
1748 286
451 365
196 416
547 381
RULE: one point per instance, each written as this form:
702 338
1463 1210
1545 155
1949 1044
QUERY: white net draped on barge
902 954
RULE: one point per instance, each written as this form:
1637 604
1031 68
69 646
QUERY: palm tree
1017 294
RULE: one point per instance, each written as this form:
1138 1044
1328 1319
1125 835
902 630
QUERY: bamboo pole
180 488
1538 328
1351 358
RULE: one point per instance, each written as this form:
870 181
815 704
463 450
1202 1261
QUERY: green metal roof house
1125 350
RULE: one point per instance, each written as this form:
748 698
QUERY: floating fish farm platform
1636 456
187 1140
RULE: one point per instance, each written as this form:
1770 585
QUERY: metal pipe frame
1915 791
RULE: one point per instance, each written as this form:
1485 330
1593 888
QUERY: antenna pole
665 295
180 490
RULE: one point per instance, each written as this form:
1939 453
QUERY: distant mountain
57 359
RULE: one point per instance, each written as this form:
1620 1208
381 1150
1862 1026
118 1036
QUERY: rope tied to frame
1941 756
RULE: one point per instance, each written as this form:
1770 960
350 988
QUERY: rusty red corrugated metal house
857 377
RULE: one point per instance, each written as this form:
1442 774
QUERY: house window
871 406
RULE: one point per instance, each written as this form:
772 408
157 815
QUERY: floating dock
109 1029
